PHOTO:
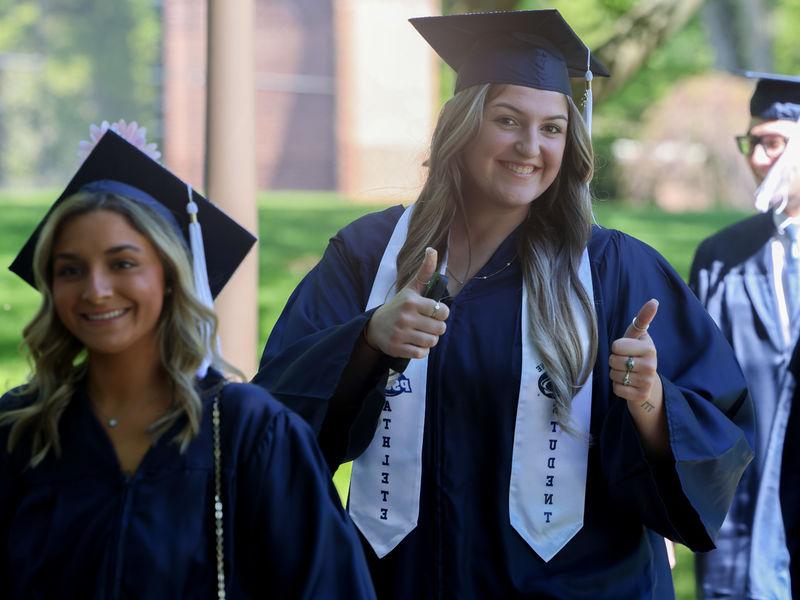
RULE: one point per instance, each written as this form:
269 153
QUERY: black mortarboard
776 97
113 165
532 48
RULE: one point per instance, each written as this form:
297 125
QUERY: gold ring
436 308
627 379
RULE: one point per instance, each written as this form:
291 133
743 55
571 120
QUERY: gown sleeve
709 412
6 487
285 499
9 488
312 342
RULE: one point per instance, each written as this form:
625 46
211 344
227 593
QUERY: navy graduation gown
464 545
732 276
790 481
75 527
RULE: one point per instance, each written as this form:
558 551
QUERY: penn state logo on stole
401 385
546 385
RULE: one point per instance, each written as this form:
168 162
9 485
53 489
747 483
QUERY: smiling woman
108 286
125 299
518 151
129 466
537 445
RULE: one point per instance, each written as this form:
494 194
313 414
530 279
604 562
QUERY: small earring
168 291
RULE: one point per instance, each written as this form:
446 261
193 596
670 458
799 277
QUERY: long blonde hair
550 246
58 360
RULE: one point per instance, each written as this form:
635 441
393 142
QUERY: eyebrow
112 250
122 248
519 112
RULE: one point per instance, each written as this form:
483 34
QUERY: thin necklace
110 421
482 277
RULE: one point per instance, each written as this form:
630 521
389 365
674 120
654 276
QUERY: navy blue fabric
531 48
780 111
776 97
504 59
75 527
113 158
464 545
790 482
111 186
732 276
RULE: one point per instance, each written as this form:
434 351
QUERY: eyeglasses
773 144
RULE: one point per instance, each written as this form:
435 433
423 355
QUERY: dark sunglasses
773 144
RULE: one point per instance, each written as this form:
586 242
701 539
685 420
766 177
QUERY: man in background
748 278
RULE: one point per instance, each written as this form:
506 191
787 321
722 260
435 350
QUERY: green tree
65 64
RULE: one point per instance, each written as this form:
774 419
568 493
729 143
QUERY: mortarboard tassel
587 97
202 287
588 104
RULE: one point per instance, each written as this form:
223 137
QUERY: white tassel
199 269
587 96
774 190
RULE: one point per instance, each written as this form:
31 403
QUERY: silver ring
629 364
627 379
436 308
635 324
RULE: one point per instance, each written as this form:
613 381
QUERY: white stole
548 468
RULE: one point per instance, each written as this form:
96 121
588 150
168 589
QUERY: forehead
530 100
98 229
782 127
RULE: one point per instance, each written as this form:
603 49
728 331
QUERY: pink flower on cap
131 132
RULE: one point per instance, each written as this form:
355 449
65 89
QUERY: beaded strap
215 419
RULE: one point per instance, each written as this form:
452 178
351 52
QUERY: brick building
346 94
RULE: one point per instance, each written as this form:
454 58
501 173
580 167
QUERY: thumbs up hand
409 325
633 362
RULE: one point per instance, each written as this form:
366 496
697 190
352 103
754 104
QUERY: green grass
294 229
19 212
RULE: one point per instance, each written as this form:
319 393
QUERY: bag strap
219 534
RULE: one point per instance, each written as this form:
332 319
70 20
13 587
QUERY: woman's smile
106 316
518 151
521 169
108 284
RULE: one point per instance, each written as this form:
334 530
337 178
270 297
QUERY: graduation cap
531 48
776 97
117 166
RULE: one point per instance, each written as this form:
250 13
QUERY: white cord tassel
202 288
774 190
587 96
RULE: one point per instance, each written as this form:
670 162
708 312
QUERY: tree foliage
786 52
463 6
65 64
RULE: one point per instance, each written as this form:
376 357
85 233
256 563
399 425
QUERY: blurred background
346 96
346 92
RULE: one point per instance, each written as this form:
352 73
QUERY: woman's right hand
409 325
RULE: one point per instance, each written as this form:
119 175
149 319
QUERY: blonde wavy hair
58 360
553 237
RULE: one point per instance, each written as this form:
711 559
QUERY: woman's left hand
634 372
634 362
